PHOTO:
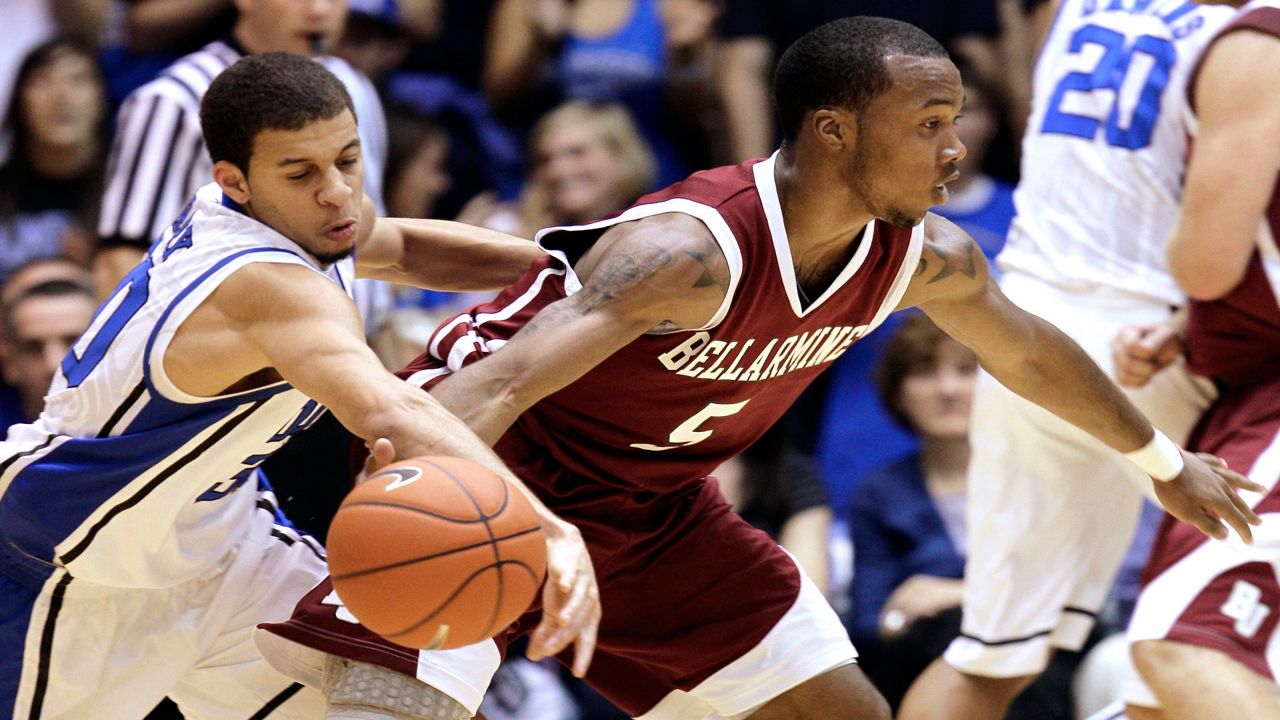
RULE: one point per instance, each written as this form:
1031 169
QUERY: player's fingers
1242 507
538 640
1237 518
1128 378
1210 525
575 601
1127 336
586 646
1233 478
1212 460
383 453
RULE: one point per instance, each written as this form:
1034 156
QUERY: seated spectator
586 163
907 519
39 324
50 187
646 54
416 174
909 531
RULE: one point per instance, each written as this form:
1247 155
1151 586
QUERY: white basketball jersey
1106 144
124 479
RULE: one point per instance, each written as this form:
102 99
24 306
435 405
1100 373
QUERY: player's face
63 102
305 27
307 185
578 171
43 328
907 148
936 396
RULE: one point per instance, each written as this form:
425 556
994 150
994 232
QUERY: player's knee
361 691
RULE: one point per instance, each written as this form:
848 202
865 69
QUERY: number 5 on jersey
689 433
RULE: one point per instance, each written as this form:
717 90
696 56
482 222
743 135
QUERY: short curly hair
842 64
270 91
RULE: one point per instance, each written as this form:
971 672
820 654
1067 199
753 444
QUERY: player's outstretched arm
1233 167
1037 361
291 319
441 254
665 270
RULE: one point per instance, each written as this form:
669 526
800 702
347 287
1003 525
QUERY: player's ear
835 128
232 181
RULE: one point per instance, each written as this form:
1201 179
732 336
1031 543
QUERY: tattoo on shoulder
622 270
713 267
953 257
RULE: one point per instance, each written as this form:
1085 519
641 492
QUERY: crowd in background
519 115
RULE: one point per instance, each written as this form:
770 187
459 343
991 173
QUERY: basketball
436 553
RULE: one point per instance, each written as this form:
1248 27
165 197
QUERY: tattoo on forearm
956 258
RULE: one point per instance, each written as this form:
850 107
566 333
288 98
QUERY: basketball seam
488 631
433 556
497 556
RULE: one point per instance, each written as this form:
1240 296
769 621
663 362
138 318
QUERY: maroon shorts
686 588
1223 595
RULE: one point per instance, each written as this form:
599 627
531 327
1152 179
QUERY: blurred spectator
159 159
22 279
28 23
176 27
587 162
39 324
755 31
779 490
375 41
907 519
50 187
637 52
416 176
42 270
909 525
980 204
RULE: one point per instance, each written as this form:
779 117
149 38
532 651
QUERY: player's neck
822 217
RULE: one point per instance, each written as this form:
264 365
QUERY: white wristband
1160 458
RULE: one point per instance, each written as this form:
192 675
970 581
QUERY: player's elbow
1204 281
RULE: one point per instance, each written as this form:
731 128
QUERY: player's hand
381 454
570 599
1205 495
1141 351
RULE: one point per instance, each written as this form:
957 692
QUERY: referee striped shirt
158 158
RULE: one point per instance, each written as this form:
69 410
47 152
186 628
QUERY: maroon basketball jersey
671 406
1237 338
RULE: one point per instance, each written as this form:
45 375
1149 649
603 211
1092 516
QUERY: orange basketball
436 552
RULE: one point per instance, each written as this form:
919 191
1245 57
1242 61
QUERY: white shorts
1052 510
81 650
